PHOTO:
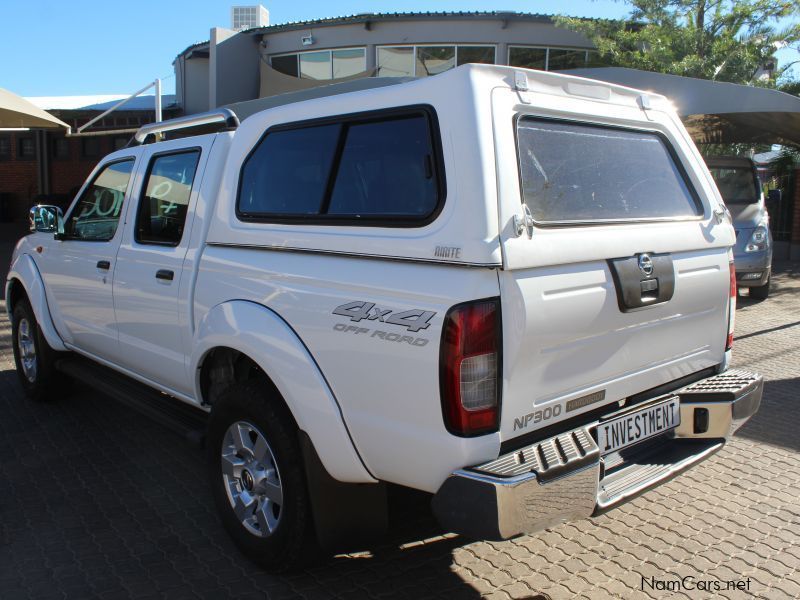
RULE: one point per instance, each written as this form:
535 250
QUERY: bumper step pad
725 387
548 459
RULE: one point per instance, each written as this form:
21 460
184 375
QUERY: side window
359 171
96 215
164 203
288 172
385 169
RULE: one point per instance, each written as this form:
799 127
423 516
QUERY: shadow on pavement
777 421
99 501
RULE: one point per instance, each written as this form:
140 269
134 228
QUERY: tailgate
621 282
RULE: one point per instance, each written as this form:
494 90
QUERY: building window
5 147
529 58
552 59
26 148
286 64
90 147
118 143
558 59
422 61
322 64
61 148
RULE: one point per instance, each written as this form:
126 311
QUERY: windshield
738 185
576 172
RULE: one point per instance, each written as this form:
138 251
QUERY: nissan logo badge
646 264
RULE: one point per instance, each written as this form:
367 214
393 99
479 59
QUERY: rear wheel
257 477
34 359
761 292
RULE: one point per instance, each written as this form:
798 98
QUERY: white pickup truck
510 289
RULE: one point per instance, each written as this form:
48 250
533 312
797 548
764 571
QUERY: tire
34 359
761 292
255 464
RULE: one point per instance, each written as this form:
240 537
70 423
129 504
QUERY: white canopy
15 111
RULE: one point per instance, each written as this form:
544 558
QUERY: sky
88 47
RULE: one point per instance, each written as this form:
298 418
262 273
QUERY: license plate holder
631 428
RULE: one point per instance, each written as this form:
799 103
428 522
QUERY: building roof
378 17
403 16
99 102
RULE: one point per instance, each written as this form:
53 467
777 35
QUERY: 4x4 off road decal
413 320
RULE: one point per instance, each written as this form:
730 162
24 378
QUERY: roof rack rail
223 116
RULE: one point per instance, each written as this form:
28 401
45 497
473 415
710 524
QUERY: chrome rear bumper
565 478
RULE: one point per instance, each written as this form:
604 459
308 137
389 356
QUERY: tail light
470 368
731 306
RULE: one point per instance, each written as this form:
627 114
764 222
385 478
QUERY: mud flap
347 516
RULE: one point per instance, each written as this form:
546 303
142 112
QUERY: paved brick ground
96 501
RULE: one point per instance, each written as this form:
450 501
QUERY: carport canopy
16 112
713 111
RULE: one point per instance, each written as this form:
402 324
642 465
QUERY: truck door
149 283
78 268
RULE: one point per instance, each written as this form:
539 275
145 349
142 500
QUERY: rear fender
24 270
263 336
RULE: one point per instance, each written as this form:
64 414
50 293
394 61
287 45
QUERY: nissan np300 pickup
511 289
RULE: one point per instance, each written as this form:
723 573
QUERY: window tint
575 172
355 170
378 177
288 173
96 214
163 206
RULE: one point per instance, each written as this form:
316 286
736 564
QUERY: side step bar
177 416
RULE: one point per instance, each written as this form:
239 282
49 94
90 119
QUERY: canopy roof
714 111
15 111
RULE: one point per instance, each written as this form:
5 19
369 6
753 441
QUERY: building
264 61
48 166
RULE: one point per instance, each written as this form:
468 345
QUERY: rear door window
581 173
359 171
164 204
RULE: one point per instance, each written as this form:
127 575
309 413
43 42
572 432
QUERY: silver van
741 189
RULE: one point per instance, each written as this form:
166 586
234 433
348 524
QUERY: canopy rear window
579 173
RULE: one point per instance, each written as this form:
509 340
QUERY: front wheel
34 359
761 292
257 477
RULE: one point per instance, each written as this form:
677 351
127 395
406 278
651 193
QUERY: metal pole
158 101
115 107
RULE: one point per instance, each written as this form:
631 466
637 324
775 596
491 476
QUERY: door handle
165 274
104 264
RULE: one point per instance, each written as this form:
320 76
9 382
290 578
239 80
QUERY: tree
723 40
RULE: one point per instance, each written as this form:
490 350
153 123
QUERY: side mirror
47 219
774 196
